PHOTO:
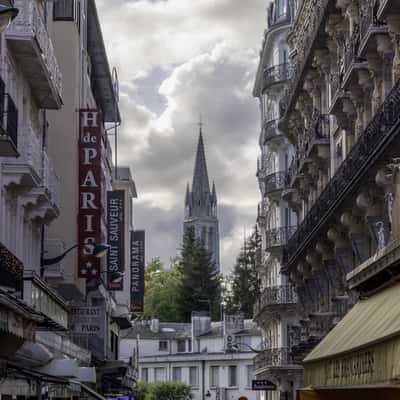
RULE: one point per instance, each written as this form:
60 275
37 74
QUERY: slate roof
179 330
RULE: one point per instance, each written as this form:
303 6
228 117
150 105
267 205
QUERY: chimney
233 323
155 325
201 323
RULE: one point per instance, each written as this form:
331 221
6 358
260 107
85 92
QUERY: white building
196 354
276 309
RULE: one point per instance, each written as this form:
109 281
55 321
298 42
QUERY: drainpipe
203 368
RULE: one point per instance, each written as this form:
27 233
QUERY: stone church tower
201 205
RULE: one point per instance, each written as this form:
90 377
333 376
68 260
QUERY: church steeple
200 182
201 204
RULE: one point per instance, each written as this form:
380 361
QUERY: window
181 345
190 345
250 374
193 377
232 381
214 376
163 345
145 374
159 375
177 374
63 10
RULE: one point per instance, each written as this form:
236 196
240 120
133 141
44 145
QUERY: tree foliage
163 391
162 292
243 286
200 288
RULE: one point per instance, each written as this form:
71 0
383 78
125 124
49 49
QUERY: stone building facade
341 114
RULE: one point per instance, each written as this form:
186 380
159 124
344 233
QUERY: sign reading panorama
262 384
115 236
137 270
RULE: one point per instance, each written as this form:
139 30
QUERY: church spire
200 177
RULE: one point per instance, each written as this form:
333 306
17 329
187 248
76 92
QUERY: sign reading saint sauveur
89 213
137 270
262 384
115 237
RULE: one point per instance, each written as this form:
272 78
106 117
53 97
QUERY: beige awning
369 322
351 393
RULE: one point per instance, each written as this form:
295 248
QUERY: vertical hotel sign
137 271
89 214
115 226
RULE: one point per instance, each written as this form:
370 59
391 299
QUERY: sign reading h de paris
89 215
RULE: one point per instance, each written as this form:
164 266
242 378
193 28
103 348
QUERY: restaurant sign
87 321
90 208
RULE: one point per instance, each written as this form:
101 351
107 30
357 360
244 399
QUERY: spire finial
201 122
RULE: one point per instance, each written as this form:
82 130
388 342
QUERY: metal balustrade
276 74
275 181
369 145
279 236
274 296
275 357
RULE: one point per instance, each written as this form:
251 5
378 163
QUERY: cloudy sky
175 60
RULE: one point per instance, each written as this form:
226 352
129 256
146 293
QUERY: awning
370 321
351 393
363 349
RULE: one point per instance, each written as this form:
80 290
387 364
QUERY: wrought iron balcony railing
370 144
276 74
275 296
279 236
318 132
277 357
8 124
368 18
33 47
308 24
275 181
275 19
271 131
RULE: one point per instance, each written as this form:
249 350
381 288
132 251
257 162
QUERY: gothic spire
187 197
200 177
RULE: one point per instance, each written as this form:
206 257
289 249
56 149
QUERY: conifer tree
244 282
201 284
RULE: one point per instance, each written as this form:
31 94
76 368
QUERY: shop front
360 357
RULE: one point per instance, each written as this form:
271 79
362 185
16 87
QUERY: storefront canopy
370 321
352 393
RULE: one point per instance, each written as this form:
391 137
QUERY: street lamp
236 347
99 251
7 13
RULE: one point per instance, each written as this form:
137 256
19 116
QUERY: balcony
370 25
8 124
31 45
307 30
26 170
12 269
276 20
274 183
313 143
272 358
275 297
378 138
276 74
270 132
278 237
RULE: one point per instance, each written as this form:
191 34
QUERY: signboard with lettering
137 270
87 321
262 384
115 236
89 214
